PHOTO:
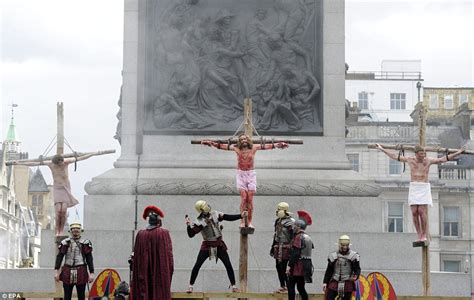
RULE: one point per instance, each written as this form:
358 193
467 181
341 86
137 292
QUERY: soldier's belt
74 267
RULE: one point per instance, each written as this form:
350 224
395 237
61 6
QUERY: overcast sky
71 51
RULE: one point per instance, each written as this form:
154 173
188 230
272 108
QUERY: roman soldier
300 264
284 227
342 271
213 246
152 261
77 255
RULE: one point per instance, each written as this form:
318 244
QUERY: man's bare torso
60 174
245 158
419 169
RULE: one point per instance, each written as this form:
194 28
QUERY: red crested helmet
305 216
152 209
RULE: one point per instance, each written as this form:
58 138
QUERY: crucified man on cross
246 178
63 198
419 192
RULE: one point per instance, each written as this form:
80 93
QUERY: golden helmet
202 206
283 206
75 225
344 240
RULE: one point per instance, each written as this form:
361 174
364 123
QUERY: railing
396 133
388 75
458 173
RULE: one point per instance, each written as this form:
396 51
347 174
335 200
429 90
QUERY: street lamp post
418 86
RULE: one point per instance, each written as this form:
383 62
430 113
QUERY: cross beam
68 155
427 149
234 141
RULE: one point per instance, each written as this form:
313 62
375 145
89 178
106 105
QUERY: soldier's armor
343 267
211 231
73 255
307 247
283 228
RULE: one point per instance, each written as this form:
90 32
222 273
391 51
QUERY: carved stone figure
118 130
169 111
225 51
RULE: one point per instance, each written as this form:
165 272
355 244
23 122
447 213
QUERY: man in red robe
152 263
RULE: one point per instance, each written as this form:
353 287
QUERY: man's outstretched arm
280 145
31 163
391 154
217 145
446 158
79 158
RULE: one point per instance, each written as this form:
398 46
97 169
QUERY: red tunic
152 265
81 275
298 269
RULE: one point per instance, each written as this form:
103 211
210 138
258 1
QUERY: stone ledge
280 182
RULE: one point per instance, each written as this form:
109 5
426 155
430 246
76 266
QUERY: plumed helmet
305 216
344 240
151 209
201 206
283 206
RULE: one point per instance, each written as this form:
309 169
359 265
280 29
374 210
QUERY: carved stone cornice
220 187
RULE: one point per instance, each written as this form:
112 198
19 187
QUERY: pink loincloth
246 180
62 194
419 193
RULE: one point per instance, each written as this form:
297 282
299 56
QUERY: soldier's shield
380 287
362 289
104 285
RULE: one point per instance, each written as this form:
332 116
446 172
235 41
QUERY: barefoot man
419 193
246 177
63 198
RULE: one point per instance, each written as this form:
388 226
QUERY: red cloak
152 265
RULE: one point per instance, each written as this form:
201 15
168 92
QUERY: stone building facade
444 102
450 219
20 234
389 94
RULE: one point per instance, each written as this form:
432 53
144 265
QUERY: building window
434 101
397 101
451 266
463 98
448 102
451 221
37 204
395 217
354 160
363 100
3 199
394 167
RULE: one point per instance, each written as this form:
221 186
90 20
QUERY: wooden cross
59 151
243 257
59 144
425 263
245 231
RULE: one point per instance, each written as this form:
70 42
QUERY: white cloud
69 51
70 32
440 33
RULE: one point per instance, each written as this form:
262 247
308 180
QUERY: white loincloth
62 194
419 193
